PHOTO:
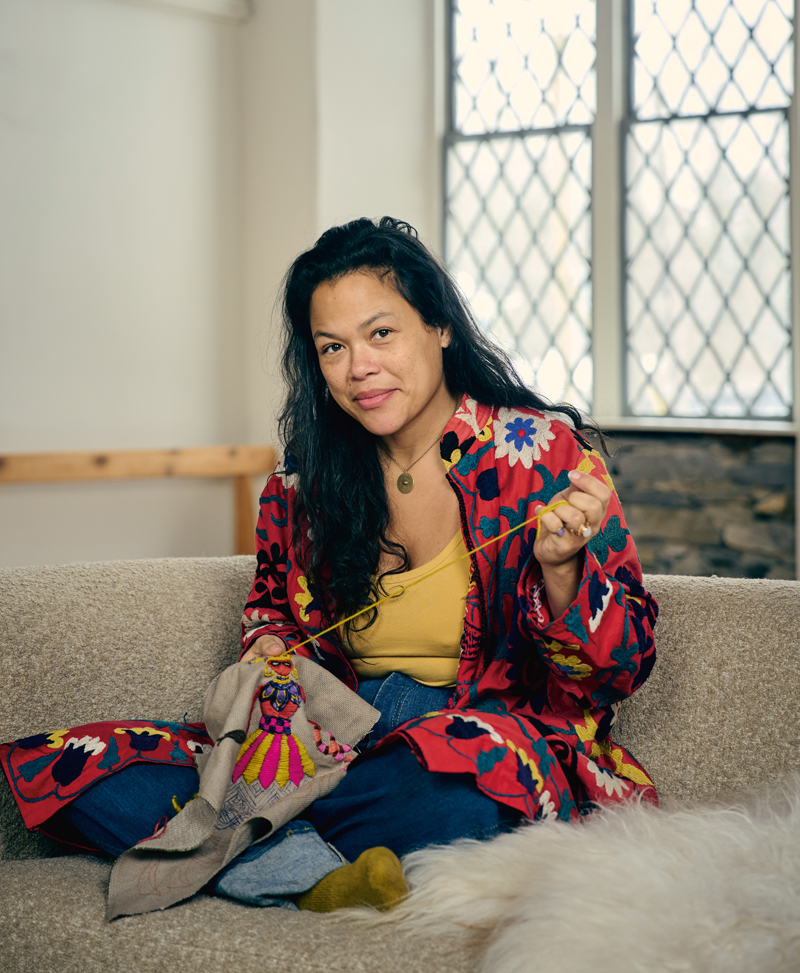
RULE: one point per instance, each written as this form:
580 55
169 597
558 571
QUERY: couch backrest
113 640
132 639
719 712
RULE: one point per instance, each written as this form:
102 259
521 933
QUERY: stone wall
704 504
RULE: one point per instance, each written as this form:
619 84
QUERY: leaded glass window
707 214
518 173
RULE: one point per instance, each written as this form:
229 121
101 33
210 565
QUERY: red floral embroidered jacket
536 696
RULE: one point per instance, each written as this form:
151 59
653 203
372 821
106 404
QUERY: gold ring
584 530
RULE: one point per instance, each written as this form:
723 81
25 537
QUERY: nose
362 363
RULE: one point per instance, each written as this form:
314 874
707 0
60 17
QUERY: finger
277 648
589 485
589 508
560 521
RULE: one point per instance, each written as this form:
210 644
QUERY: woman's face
383 365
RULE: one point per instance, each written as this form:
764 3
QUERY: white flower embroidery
88 744
609 782
520 437
467 412
547 807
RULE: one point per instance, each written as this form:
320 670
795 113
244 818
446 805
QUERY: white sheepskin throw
627 890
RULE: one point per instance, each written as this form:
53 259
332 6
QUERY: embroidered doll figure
273 752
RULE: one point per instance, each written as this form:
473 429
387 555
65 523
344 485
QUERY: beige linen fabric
225 818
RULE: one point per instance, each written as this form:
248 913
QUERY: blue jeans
385 798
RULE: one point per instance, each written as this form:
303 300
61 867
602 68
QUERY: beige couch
128 639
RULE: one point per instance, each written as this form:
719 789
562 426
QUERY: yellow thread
430 574
177 806
308 764
258 758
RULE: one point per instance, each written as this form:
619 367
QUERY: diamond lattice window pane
522 64
691 58
708 267
518 241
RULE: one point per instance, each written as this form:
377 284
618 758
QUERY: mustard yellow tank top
419 632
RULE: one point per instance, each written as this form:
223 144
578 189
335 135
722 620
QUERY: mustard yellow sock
375 878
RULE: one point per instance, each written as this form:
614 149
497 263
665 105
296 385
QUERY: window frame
608 273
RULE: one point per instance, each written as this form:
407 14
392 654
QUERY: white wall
279 182
119 295
378 132
159 171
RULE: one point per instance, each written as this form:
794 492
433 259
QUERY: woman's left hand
563 532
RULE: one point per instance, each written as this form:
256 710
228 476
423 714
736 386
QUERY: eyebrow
362 327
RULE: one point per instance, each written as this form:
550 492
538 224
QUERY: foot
375 878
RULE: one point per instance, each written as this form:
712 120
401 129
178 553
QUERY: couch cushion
51 918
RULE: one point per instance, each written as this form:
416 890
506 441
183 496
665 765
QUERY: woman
411 444
498 681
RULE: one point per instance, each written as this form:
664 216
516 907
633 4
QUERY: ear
445 336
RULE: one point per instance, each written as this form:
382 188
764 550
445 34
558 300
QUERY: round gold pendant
405 483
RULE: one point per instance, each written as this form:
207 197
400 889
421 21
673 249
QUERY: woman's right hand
264 645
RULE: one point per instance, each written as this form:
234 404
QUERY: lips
373 398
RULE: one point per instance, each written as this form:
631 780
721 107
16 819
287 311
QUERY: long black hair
341 500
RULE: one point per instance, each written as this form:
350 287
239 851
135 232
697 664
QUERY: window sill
731 427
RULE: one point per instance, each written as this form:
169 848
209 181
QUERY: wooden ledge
239 462
127 464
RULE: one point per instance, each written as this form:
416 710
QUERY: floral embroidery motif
304 599
607 781
528 772
571 665
617 754
521 438
468 727
48 770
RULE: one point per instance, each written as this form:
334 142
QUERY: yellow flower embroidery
56 739
529 763
593 460
605 749
486 433
628 771
577 670
553 645
305 599
588 731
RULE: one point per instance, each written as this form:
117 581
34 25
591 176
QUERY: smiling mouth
373 399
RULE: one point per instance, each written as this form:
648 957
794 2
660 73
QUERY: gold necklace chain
405 482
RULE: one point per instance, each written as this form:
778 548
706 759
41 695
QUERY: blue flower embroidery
520 432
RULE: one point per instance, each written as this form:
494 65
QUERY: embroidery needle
492 540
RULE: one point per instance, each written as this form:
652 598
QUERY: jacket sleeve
267 611
601 648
